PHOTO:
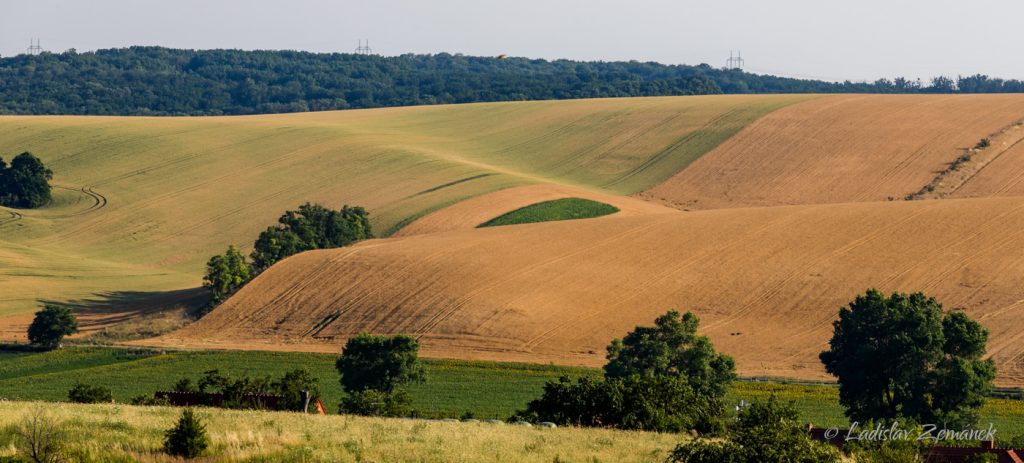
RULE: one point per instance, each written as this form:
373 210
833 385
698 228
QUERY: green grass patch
557 209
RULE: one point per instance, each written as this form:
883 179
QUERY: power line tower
734 62
364 48
33 47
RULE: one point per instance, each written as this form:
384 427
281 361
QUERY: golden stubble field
766 281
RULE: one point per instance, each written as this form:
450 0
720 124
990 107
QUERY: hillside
142 203
766 281
842 149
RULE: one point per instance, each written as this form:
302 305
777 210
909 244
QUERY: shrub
39 438
292 384
50 325
188 438
371 402
764 431
982 458
148 400
651 403
240 392
85 394
983 143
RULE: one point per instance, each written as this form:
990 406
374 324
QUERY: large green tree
374 372
381 363
663 377
672 347
226 273
50 325
26 183
900 356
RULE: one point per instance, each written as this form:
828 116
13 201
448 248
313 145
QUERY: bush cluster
86 394
763 432
235 390
658 378
310 227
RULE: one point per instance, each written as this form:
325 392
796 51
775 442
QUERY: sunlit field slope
845 148
766 281
141 203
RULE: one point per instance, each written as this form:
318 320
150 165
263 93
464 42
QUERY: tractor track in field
99 201
13 217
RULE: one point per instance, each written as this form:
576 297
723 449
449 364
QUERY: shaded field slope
766 281
141 203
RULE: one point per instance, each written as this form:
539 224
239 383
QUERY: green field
489 390
557 209
141 203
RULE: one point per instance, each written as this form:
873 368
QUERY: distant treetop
164 81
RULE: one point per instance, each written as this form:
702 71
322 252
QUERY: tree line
165 81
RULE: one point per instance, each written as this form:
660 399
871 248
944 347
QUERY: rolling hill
766 281
141 203
794 207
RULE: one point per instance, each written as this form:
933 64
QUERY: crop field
141 203
106 433
848 148
767 283
488 390
556 209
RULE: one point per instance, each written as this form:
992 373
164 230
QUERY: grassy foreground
489 390
106 433
558 209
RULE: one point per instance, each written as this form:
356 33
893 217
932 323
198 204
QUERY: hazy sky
826 39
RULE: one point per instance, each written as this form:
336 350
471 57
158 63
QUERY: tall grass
105 433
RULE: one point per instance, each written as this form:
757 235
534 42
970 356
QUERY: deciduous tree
672 347
50 325
900 356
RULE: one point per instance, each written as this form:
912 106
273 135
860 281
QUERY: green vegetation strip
558 209
453 387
